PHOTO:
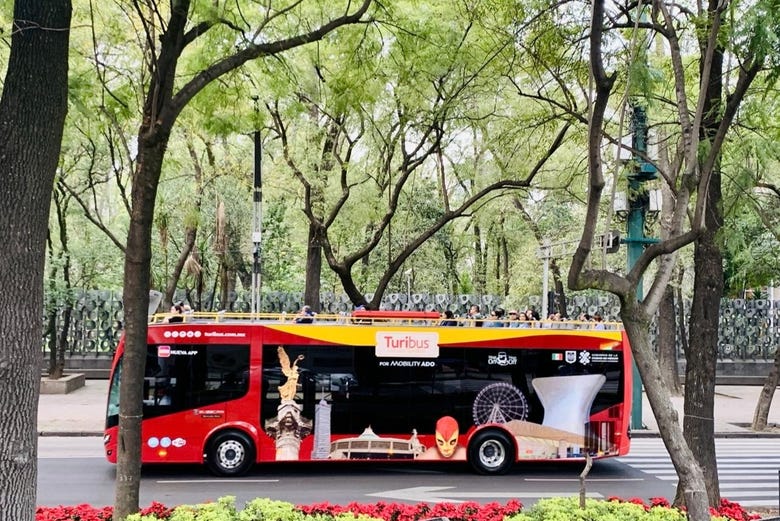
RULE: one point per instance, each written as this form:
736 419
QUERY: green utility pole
638 202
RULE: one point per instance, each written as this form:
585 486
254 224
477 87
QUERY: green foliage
263 509
757 32
260 509
568 509
224 509
280 253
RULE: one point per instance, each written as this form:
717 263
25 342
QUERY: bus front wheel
491 452
231 453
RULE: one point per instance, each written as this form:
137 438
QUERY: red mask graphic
447 436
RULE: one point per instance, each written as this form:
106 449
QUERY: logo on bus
163 351
182 334
401 344
571 357
502 359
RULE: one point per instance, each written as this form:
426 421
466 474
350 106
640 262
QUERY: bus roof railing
366 317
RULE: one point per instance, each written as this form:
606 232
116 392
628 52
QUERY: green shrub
224 509
261 509
568 509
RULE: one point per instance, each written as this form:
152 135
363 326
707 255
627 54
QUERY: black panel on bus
397 396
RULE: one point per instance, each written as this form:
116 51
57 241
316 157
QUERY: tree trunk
682 337
161 109
667 342
137 280
701 358
32 114
560 291
62 339
311 294
701 355
54 372
479 275
761 414
60 198
190 234
505 274
51 313
691 476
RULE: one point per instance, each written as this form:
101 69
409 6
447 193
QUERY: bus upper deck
378 318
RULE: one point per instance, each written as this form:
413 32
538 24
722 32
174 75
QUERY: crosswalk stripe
732 486
735 472
759 462
763 467
756 503
748 470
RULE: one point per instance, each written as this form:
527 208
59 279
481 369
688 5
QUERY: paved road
748 469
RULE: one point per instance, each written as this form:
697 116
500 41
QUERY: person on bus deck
474 315
518 319
448 319
496 318
177 314
305 315
599 322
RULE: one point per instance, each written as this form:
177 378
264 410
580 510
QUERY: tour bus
232 391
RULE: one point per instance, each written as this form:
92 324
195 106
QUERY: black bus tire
491 452
230 453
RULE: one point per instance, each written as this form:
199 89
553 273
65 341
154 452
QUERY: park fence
748 327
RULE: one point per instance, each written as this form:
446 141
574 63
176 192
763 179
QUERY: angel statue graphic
290 387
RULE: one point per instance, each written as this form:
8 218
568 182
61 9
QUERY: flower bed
564 509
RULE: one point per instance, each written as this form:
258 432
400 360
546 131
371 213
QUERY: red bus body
235 392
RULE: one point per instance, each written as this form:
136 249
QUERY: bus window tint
112 412
193 376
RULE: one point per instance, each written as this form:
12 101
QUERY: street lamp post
408 274
257 229
638 202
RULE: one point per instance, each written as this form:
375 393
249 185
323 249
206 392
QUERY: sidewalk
734 409
78 413
82 412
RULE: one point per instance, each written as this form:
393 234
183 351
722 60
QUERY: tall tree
425 104
169 30
715 115
701 142
32 114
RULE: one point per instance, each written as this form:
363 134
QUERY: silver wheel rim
231 454
492 454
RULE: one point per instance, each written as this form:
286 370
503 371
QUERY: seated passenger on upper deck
176 314
305 315
518 319
497 318
448 319
474 315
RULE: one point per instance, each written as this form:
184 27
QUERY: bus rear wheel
231 453
491 452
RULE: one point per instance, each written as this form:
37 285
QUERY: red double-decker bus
232 391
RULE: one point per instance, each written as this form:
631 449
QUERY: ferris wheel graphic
499 403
